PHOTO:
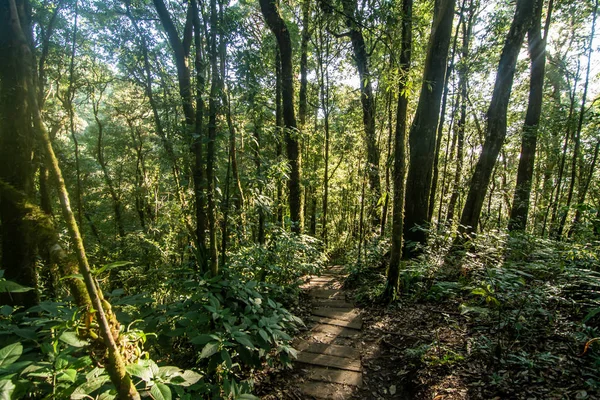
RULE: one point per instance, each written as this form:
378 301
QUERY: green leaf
247 396
13 287
70 338
227 358
263 334
165 373
591 314
68 375
72 276
190 377
110 266
160 391
6 310
83 391
210 349
10 354
203 339
144 372
7 387
243 339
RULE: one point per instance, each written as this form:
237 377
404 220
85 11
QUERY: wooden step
325 390
334 331
328 294
340 376
325 360
345 314
332 303
323 278
356 323
329 349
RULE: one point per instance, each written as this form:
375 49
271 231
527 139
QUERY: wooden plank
340 376
332 303
328 294
345 314
333 331
329 349
323 278
325 360
356 323
324 390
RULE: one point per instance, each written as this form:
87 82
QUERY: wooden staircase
330 355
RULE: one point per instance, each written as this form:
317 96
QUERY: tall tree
181 53
467 27
537 57
496 118
16 153
422 133
367 100
278 27
577 136
393 272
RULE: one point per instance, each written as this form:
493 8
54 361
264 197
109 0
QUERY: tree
537 57
393 272
496 119
278 27
367 100
422 133
16 152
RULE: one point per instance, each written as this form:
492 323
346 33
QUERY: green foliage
47 357
281 262
223 326
366 275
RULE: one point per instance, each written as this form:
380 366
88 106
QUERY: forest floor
429 350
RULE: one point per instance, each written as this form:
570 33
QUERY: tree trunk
25 59
577 138
212 136
440 127
496 119
467 27
368 103
423 130
16 168
103 165
584 190
393 273
279 29
279 128
197 145
537 56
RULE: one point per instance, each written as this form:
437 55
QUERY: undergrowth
531 308
216 330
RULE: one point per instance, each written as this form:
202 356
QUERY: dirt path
329 353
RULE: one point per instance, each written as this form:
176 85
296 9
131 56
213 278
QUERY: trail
329 353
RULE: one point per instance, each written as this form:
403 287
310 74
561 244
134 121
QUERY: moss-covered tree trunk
16 166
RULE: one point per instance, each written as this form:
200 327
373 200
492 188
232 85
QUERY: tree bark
537 55
212 135
577 138
422 133
463 68
368 103
496 119
393 273
280 30
16 167
116 366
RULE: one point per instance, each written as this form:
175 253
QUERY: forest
295 199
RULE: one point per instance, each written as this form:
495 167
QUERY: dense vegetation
171 171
